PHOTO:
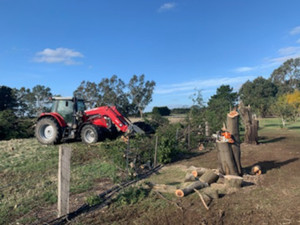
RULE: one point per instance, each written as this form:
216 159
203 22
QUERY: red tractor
68 119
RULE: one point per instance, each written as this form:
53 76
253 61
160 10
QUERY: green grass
274 125
28 173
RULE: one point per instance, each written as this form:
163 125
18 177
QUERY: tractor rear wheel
47 131
90 134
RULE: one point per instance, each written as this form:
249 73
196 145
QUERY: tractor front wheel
47 131
90 134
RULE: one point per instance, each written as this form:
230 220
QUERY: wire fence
127 160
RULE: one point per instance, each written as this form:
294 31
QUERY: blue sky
181 45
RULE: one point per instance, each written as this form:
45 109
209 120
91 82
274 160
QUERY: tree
89 91
38 100
218 106
111 92
283 109
163 110
7 98
140 92
293 99
260 94
287 76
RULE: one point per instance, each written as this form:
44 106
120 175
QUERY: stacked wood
251 124
198 172
190 188
209 177
233 129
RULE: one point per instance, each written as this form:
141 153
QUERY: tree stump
251 125
233 129
227 164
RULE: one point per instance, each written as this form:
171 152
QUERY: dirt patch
271 198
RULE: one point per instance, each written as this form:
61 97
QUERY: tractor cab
67 107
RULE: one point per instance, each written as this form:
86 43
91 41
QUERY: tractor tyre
90 134
47 131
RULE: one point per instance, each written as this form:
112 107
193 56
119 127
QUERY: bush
132 195
163 111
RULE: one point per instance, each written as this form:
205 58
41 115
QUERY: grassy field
28 173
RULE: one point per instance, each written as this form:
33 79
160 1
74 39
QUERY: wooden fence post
155 151
189 137
64 174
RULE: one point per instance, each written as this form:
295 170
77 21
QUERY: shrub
163 111
132 195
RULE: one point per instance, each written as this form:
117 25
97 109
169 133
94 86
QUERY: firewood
189 189
209 177
256 170
199 172
233 181
189 177
164 188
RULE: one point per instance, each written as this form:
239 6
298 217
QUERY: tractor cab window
65 109
80 106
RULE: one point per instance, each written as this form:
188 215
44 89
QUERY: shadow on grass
269 165
294 128
271 125
265 140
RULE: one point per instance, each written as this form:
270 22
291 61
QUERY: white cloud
58 55
167 6
243 69
202 84
295 30
286 53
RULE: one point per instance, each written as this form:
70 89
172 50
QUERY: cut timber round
256 170
227 164
189 177
233 181
189 189
199 172
209 177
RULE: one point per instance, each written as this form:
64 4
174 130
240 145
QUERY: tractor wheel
90 134
47 131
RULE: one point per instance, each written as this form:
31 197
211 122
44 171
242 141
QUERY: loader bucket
135 129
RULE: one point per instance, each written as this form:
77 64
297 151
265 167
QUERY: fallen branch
202 200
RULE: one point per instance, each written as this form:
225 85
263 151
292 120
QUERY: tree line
277 95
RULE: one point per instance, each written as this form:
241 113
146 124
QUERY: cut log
164 188
199 172
189 189
233 128
256 170
233 181
227 165
189 177
209 177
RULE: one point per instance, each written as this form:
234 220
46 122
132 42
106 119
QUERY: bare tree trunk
227 164
251 125
233 129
